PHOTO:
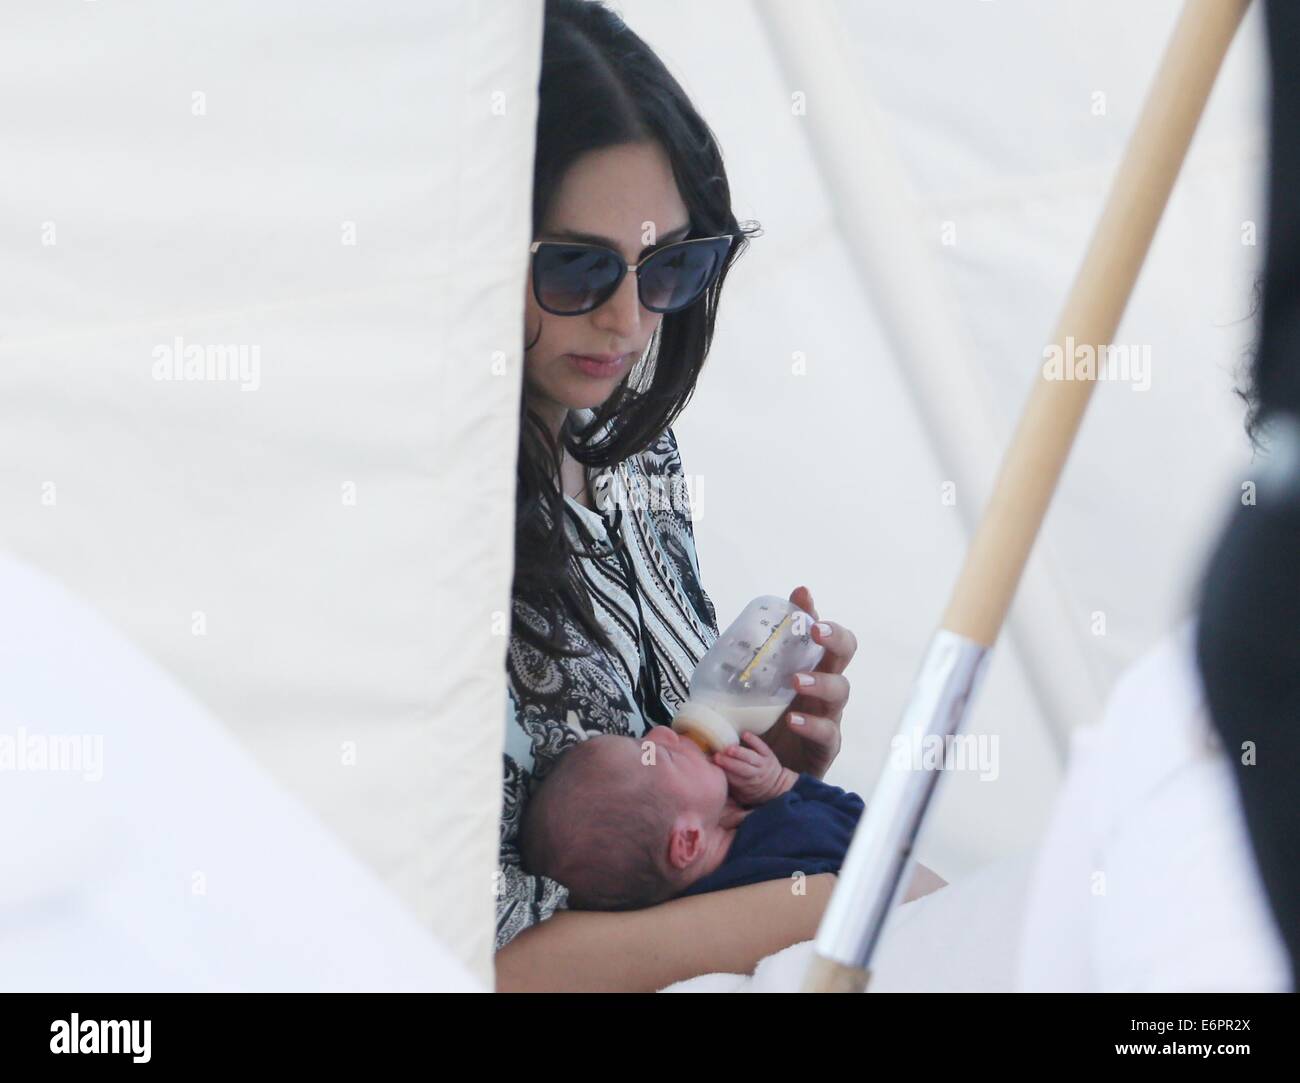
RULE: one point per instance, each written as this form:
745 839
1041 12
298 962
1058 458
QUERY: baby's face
681 769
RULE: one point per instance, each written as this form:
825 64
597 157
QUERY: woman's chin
589 394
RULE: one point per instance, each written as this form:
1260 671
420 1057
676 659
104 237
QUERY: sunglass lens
674 278
573 279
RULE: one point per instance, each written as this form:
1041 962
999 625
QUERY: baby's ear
684 844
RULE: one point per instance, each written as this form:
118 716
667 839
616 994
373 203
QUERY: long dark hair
1248 387
602 86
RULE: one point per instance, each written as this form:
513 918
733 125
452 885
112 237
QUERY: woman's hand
811 745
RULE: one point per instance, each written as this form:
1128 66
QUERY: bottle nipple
705 726
699 739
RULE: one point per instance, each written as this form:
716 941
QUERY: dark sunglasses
571 278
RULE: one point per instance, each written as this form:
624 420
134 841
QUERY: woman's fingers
840 643
831 688
802 597
820 731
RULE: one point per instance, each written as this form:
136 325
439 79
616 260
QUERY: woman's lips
594 367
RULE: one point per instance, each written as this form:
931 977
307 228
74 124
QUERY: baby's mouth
698 740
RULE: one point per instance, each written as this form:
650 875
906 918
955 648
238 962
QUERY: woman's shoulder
662 456
656 473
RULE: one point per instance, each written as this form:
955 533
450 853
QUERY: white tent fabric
144 850
308 520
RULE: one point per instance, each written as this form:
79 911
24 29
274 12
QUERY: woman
634 235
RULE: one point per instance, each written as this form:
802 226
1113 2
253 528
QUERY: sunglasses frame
624 268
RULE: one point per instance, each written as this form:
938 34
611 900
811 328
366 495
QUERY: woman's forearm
644 950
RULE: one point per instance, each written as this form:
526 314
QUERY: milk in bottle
743 682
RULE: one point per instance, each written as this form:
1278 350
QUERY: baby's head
626 823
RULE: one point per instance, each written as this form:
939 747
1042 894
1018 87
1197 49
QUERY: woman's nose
621 314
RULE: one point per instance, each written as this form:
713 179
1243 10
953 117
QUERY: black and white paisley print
553 703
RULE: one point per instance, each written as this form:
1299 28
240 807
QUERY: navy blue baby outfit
807 829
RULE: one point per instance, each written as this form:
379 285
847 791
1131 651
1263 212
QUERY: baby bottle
743 682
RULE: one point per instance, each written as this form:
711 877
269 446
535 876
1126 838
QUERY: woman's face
624 197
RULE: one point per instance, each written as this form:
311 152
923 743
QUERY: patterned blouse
660 629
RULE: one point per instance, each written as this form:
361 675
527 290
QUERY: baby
626 823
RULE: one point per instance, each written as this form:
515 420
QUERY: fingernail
796 720
823 629
804 679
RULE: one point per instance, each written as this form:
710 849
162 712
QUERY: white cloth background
1146 881
148 852
341 533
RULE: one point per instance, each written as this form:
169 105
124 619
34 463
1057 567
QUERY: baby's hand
754 774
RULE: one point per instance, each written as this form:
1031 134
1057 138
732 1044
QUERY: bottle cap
705 726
